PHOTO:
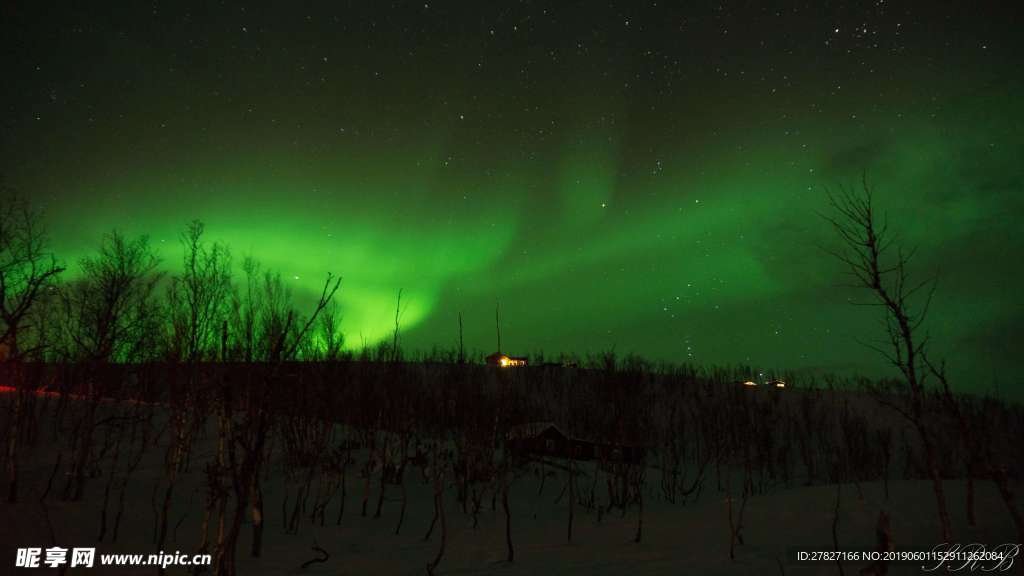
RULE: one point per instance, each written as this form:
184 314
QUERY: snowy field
690 538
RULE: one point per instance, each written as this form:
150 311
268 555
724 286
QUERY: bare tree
331 339
879 265
438 469
110 316
27 271
248 438
396 354
980 455
198 296
245 304
110 309
197 302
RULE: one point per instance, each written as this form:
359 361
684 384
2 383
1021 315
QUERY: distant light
504 361
750 383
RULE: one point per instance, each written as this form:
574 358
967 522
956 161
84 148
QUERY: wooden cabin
506 361
547 440
537 438
769 384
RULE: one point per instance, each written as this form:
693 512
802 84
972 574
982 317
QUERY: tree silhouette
27 272
878 264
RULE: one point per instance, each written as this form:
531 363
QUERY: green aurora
600 211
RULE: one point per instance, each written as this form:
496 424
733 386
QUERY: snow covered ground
677 539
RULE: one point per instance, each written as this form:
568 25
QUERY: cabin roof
503 355
532 430
538 429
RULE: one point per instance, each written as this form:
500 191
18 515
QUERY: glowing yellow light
504 361
780 384
750 383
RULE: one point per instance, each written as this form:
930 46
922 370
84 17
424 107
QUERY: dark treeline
120 363
347 433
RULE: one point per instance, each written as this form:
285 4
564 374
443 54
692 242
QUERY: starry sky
643 177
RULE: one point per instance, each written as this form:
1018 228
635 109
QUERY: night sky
647 177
